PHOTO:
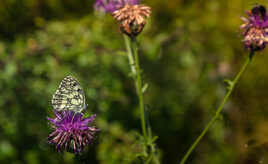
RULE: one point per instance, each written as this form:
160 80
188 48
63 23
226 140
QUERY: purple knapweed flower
71 132
110 6
255 28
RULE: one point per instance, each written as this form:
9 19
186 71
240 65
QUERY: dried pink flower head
132 18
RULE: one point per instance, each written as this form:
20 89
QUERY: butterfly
69 96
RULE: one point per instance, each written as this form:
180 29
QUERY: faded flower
132 18
111 5
71 132
255 29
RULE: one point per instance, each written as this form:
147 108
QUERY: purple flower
112 5
71 132
255 29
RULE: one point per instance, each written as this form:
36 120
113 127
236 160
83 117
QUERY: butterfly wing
69 96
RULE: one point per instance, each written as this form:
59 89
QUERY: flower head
71 132
255 29
132 18
111 5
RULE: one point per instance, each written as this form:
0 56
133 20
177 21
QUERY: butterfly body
69 96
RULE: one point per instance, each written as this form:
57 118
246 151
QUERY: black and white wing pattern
69 96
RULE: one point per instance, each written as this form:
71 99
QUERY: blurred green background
187 50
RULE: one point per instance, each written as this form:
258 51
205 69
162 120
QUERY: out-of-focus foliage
187 49
20 16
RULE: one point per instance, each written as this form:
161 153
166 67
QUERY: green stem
133 57
130 55
218 111
139 85
132 49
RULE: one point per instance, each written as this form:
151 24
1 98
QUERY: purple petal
112 5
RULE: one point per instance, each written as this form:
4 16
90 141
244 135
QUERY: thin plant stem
130 55
133 58
218 111
139 86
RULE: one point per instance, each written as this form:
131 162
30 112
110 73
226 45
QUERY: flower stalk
130 55
231 85
132 19
139 86
133 56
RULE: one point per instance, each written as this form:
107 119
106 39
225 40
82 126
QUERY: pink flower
71 132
